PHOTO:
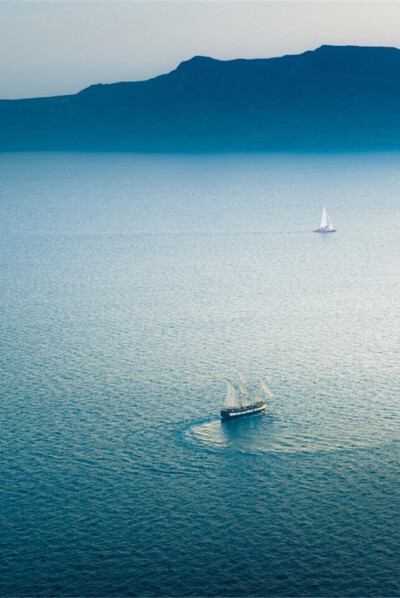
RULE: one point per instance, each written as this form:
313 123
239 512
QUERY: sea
131 288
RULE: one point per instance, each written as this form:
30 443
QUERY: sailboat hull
235 412
324 230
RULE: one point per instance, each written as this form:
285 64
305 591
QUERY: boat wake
264 434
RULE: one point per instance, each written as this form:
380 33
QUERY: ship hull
324 230
229 414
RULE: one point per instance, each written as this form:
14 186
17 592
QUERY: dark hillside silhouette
333 98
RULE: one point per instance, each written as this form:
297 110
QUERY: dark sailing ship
241 400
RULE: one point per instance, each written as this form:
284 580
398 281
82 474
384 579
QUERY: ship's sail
326 224
324 220
244 400
232 396
266 388
244 389
243 395
245 392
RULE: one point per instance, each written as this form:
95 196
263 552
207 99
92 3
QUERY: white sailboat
242 400
326 224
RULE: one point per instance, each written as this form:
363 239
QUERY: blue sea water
132 286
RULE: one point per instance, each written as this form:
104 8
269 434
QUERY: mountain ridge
330 98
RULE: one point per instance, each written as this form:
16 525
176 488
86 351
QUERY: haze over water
131 287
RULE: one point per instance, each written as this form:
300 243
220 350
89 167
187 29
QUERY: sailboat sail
243 386
324 220
232 398
244 392
244 400
326 224
266 389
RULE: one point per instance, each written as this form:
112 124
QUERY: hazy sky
61 46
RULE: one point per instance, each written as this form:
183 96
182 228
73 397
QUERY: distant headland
334 98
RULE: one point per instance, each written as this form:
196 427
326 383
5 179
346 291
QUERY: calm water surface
131 287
